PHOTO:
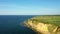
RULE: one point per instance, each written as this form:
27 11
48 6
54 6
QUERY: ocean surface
12 24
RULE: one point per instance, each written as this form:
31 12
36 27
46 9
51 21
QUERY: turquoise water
12 24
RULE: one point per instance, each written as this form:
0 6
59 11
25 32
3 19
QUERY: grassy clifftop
47 19
44 24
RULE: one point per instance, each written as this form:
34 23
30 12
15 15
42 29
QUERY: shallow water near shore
11 24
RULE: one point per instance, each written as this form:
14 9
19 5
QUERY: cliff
44 24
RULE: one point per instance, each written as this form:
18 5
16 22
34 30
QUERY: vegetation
47 19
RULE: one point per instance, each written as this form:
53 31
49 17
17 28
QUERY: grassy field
48 19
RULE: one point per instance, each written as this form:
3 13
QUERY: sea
12 24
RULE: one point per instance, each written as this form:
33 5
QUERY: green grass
48 19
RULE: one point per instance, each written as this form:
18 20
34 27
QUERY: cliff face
41 28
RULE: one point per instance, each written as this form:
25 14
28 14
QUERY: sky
29 7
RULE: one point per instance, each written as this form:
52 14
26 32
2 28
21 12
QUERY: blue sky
29 7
